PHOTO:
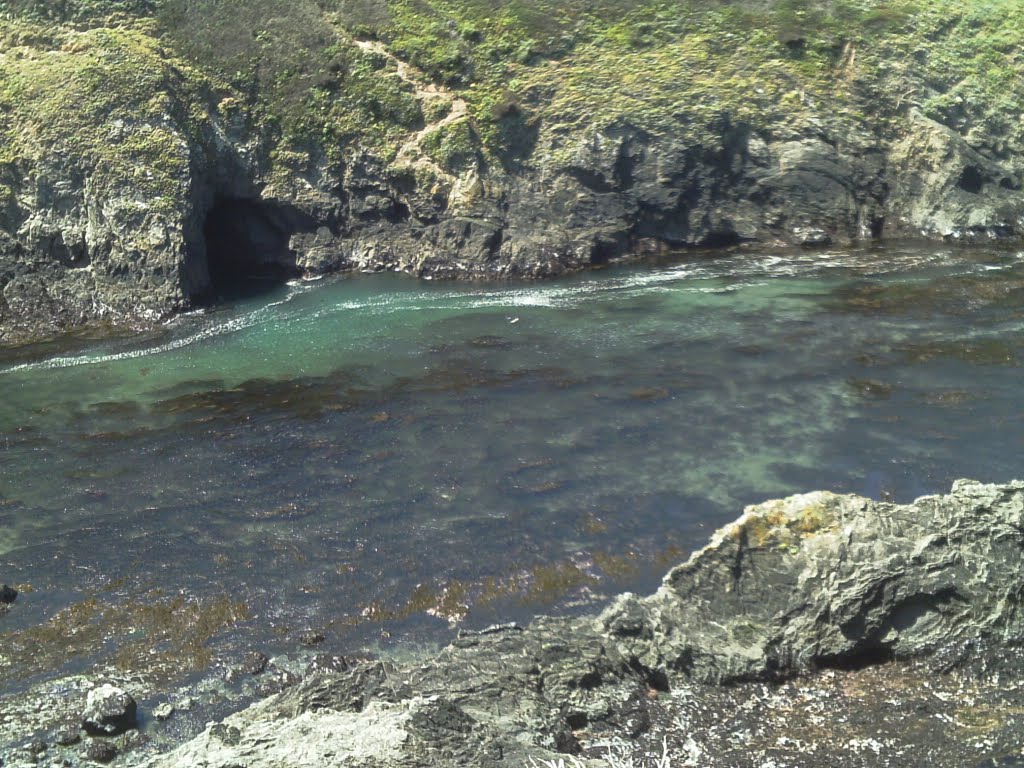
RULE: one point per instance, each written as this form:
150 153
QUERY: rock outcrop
822 580
80 251
818 584
7 597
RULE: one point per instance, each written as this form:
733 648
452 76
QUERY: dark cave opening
971 180
870 655
247 253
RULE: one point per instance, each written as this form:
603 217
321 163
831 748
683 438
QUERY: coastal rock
109 711
67 735
7 597
822 580
254 663
311 638
101 752
944 187
817 584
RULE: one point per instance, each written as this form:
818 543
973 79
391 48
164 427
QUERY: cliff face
152 154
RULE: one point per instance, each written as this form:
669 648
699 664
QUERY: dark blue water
381 459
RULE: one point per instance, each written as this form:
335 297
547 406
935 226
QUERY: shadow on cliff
247 247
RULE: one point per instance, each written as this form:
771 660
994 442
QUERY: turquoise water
380 457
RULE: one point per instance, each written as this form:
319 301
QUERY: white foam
221 329
710 276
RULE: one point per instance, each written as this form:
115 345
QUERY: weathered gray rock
101 752
164 711
254 663
67 735
109 710
818 581
822 580
941 186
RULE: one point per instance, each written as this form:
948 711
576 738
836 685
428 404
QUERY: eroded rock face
79 244
941 186
817 583
822 580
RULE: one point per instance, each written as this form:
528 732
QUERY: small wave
712 276
221 329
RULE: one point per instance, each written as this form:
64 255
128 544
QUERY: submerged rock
819 585
7 597
254 663
109 711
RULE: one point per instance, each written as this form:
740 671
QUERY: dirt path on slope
426 92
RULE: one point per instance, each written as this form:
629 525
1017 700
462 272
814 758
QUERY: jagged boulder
109 711
822 580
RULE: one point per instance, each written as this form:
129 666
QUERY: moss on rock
454 146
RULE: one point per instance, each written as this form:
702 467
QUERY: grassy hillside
566 64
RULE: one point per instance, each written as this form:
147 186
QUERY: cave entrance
247 251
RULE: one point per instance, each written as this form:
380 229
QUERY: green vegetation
108 95
293 70
453 146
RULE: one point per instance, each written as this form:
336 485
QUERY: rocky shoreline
175 183
620 194
818 630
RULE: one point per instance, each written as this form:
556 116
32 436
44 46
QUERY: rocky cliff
155 154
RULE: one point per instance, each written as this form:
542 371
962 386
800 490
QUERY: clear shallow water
381 457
